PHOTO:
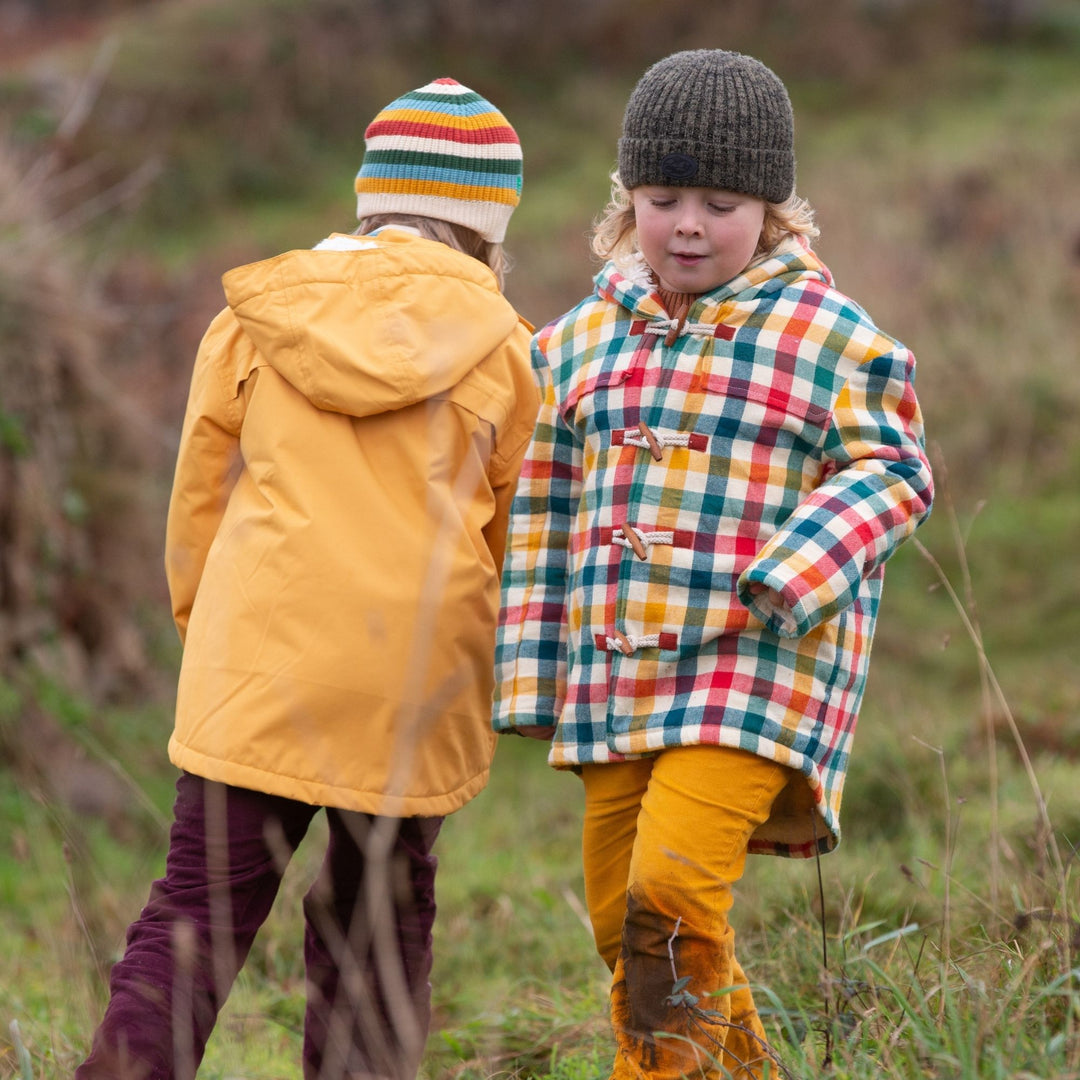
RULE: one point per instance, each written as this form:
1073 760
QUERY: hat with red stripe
442 151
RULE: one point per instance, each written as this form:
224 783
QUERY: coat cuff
792 619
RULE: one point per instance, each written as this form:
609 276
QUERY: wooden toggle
634 541
655 448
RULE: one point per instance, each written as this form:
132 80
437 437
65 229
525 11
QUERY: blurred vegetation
145 147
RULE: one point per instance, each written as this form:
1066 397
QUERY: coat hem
318 793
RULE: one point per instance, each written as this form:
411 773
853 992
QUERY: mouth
686 258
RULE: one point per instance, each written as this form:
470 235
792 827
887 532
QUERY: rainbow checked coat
778 440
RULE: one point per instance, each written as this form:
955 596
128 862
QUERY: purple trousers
367 938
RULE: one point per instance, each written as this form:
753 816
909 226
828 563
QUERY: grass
949 927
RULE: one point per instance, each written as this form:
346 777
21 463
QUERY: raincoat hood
357 335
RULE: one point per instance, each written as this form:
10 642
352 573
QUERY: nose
688 222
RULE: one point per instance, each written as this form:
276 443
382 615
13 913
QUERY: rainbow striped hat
442 151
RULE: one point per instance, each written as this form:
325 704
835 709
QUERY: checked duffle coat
776 439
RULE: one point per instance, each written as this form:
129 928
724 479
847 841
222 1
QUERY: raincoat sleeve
208 461
877 489
509 453
530 656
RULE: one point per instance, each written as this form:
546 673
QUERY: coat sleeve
208 463
878 489
530 655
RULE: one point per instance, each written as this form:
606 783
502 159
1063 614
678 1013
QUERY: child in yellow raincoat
357 418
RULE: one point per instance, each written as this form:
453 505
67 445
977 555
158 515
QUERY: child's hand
774 606
775 598
535 731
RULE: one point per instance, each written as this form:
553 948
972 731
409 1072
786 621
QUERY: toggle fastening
639 541
640 436
655 448
628 644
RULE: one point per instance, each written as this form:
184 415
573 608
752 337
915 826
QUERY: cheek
754 229
651 236
753 238
745 239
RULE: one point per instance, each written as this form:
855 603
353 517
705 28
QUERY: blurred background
146 146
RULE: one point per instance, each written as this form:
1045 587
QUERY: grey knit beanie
709 118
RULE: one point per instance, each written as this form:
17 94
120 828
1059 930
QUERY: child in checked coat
728 451
357 418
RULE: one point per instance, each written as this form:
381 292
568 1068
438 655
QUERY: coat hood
369 324
629 283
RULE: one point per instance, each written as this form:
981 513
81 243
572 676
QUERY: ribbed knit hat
709 118
442 151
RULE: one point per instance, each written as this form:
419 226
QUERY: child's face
696 238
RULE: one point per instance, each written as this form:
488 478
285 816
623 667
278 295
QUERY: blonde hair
459 237
615 231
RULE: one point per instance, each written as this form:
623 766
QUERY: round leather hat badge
678 166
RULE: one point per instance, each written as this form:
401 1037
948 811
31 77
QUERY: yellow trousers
665 837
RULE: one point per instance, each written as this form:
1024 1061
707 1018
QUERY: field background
146 147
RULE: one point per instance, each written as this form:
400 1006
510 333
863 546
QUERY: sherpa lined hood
630 283
350 325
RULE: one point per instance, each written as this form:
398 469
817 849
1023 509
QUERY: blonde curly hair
614 233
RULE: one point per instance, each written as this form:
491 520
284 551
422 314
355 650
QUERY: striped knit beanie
442 151
713 119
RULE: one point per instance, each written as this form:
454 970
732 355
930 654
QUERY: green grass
949 930
928 975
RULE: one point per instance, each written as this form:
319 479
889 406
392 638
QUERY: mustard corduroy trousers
665 837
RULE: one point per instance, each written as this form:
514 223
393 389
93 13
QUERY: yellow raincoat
356 422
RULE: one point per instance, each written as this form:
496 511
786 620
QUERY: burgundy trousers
367 938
